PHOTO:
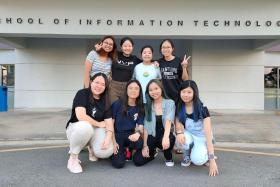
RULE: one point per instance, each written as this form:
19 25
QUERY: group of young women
128 105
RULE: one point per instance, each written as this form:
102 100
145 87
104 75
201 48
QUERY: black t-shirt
122 70
126 123
205 113
95 108
171 73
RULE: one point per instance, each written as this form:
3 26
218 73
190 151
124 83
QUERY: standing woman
128 116
193 129
122 70
159 117
173 69
146 71
90 123
100 60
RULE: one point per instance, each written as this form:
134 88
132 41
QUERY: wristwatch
211 156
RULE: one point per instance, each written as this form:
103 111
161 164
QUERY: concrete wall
69 12
49 72
272 59
229 74
7 56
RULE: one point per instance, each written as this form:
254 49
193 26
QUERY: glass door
7 78
271 88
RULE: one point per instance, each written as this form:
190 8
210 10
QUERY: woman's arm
136 135
209 134
109 128
185 74
165 139
109 133
82 116
88 66
141 129
145 150
179 132
184 64
213 169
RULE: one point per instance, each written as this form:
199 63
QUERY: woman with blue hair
193 129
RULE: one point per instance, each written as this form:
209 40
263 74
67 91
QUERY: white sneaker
74 165
169 163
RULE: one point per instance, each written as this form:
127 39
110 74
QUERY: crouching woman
193 129
90 123
159 117
128 116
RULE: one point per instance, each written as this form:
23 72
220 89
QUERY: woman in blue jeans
193 129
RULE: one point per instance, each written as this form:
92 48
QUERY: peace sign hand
98 46
185 61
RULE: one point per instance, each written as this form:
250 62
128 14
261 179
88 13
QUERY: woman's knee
188 142
103 153
118 162
138 158
199 155
79 133
83 129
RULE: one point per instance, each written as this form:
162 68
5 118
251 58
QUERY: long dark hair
104 97
149 99
139 99
113 54
198 109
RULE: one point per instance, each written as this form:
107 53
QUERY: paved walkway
229 126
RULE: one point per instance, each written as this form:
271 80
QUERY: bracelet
109 131
179 133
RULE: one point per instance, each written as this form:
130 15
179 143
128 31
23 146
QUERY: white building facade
47 42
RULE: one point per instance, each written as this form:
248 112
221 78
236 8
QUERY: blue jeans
195 148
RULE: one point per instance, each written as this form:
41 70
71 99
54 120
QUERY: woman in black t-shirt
173 69
193 129
122 69
90 123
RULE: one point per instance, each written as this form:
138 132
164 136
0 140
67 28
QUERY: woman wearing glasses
90 123
100 60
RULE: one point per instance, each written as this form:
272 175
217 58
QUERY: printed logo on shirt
146 74
135 116
93 112
121 62
169 73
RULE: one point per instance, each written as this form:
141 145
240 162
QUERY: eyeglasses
99 83
109 44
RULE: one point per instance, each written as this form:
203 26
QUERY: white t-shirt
144 73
